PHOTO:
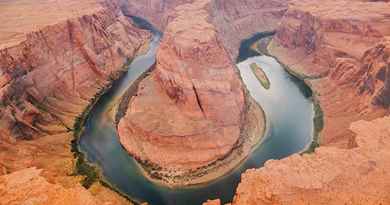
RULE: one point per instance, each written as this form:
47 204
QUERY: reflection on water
290 125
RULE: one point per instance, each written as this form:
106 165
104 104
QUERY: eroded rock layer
188 113
27 186
329 176
55 56
238 20
48 78
233 20
342 53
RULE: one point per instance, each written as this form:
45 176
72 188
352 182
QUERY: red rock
329 176
179 118
233 20
329 46
49 77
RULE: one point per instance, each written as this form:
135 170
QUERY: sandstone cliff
329 176
54 57
339 47
50 75
179 118
238 20
233 20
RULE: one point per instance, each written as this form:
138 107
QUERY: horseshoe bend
178 120
194 102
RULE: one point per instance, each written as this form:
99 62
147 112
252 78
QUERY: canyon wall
157 12
49 78
238 20
329 176
340 48
52 66
55 56
233 20
178 120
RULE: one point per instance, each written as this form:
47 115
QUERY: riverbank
91 172
252 133
261 46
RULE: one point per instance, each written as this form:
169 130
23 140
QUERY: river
289 114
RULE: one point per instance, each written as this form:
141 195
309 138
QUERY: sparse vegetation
82 167
260 75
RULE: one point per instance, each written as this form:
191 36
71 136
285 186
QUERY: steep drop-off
339 48
49 78
178 121
233 20
329 176
55 56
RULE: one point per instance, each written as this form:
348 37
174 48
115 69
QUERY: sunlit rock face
49 75
233 20
187 114
238 20
342 54
329 176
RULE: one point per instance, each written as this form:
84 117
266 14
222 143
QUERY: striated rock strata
233 20
238 20
340 48
181 108
189 112
49 76
329 176
55 56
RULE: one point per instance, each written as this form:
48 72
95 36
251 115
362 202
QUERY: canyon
54 58
336 51
341 50
55 62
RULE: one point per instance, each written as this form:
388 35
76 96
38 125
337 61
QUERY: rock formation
233 20
29 187
55 56
238 20
338 51
178 121
49 76
329 176
341 49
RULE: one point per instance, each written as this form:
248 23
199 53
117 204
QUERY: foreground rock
29 187
190 111
54 162
329 176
